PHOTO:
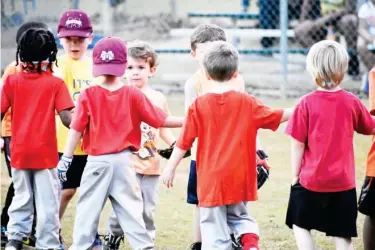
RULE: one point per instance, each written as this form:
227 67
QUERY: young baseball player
75 33
212 121
367 198
34 95
6 134
109 117
323 194
201 39
142 62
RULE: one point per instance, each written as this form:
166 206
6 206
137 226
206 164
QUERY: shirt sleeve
297 126
81 116
363 11
62 98
190 93
372 91
6 94
149 113
189 130
365 123
265 117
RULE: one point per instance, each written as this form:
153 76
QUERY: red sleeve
297 125
265 117
364 124
189 130
62 98
6 94
148 113
81 117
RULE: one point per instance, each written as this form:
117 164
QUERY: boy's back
325 122
34 98
226 127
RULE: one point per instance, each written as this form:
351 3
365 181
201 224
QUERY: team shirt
325 122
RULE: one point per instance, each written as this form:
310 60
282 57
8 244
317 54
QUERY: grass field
174 216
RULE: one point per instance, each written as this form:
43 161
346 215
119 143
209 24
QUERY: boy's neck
144 88
337 88
221 87
113 86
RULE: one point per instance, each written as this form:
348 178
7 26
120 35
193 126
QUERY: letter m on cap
107 56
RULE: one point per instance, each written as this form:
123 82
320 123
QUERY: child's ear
192 53
90 38
207 75
152 72
235 75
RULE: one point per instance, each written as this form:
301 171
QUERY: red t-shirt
110 120
34 99
226 127
325 122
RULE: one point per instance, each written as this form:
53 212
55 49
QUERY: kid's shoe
97 245
196 246
4 238
30 242
235 244
112 242
14 245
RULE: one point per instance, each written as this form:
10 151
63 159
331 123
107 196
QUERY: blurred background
273 36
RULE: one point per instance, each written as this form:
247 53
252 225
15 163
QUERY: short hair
221 61
28 25
141 49
206 33
325 61
35 46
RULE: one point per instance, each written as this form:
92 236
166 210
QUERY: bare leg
344 243
66 196
369 233
303 238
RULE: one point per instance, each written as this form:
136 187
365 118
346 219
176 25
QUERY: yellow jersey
77 75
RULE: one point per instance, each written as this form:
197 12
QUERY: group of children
105 142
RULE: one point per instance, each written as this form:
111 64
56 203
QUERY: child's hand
295 180
1 143
168 176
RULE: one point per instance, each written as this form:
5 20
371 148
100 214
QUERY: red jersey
34 98
325 122
226 126
111 120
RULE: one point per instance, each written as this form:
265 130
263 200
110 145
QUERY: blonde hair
141 49
327 62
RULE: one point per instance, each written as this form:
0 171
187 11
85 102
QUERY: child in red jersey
226 172
109 116
34 95
323 194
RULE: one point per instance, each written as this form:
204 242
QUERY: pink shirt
325 122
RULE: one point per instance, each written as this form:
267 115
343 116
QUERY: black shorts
192 197
7 153
74 173
332 213
366 201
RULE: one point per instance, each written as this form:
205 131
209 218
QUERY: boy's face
200 49
76 47
138 72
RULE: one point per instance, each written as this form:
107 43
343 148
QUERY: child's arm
363 31
72 141
298 149
66 117
170 170
287 114
173 122
165 133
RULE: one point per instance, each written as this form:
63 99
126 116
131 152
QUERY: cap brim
109 69
77 33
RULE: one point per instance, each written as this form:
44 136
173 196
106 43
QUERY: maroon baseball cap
74 23
109 57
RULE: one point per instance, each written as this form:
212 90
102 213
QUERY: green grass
174 216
